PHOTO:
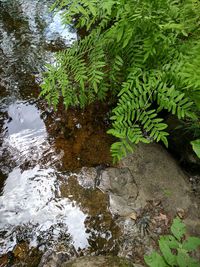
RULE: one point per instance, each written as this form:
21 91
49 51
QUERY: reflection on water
23 116
26 29
41 205
38 203
56 29
32 198
25 136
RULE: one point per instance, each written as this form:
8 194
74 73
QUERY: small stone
133 216
180 213
159 230
78 126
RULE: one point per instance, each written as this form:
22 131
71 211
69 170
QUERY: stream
45 203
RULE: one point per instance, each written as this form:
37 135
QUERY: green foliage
146 54
196 147
178 229
175 249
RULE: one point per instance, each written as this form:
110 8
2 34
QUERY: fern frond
145 53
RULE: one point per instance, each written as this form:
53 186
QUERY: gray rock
53 259
120 185
158 176
100 261
87 177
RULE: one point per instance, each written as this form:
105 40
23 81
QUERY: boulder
158 176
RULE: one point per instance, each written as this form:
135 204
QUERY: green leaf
191 243
120 33
196 147
184 260
178 228
155 260
171 241
166 251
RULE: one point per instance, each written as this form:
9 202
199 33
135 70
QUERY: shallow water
42 203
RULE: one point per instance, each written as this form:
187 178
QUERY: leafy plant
196 147
146 54
175 249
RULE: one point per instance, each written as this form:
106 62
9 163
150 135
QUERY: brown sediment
21 255
81 136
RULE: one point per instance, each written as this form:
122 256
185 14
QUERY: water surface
43 201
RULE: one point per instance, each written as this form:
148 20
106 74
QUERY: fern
145 53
